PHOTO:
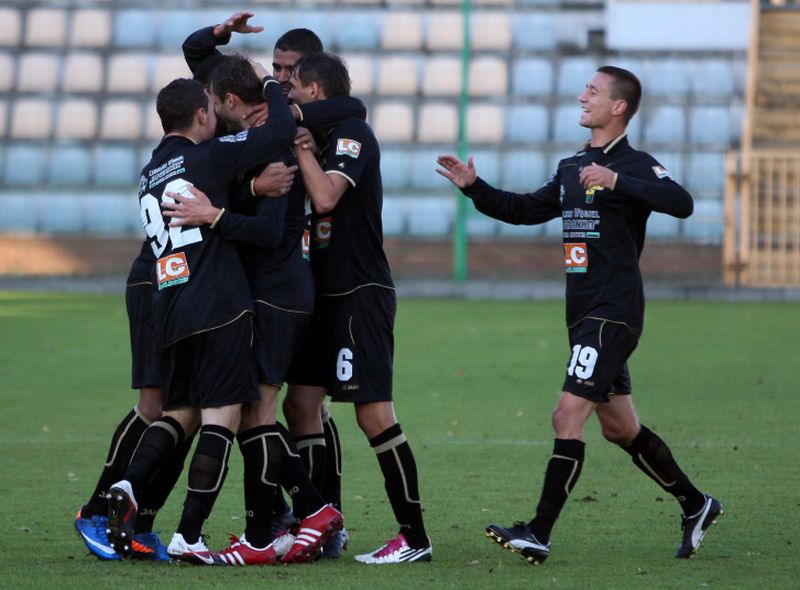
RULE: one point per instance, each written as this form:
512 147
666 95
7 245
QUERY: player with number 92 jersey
199 281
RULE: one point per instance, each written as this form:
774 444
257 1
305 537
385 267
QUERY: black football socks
562 473
332 486
400 478
262 452
207 473
652 455
123 443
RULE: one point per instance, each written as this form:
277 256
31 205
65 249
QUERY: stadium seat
38 72
574 74
663 226
534 31
444 31
665 124
438 123
121 119
83 72
442 77
31 118
396 168
634 130
532 77
7 69
423 170
487 163
523 171
709 124
431 216
25 165
485 123
394 215
479 225
62 213
128 72
136 28
402 30
3 119
11 31
362 74
666 77
527 123
712 78
706 173
488 76
76 119
17 212
393 122
173 26
90 28
566 129
168 67
358 30
115 166
46 27
113 214
490 31
152 125
69 166
707 222
398 76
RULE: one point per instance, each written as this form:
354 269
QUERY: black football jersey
347 242
199 283
603 230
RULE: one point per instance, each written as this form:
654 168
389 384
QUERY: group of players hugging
263 265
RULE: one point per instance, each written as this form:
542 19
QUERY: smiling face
598 109
300 94
282 64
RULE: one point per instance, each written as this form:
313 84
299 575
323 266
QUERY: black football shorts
279 334
598 363
211 369
350 346
145 355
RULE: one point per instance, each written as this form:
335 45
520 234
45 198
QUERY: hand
193 210
304 140
257 116
596 175
236 24
275 180
460 174
259 69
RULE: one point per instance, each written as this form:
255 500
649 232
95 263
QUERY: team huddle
264 265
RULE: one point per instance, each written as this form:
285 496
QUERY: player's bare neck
603 135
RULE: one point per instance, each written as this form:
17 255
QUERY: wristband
614 181
266 80
216 220
253 186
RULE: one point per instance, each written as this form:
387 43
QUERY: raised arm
516 208
200 48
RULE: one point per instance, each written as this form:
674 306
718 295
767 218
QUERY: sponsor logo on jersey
576 257
322 232
172 270
306 243
241 136
661 172
348 147
590 193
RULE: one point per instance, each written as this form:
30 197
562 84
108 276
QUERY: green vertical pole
460 229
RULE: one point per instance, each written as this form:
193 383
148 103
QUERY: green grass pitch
474 385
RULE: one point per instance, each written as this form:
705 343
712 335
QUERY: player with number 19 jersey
199 281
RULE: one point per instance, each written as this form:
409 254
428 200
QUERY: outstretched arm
460 174
201 46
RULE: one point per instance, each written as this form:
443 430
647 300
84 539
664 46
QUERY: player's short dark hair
327 70
302 41
235 75
177 103
626 86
